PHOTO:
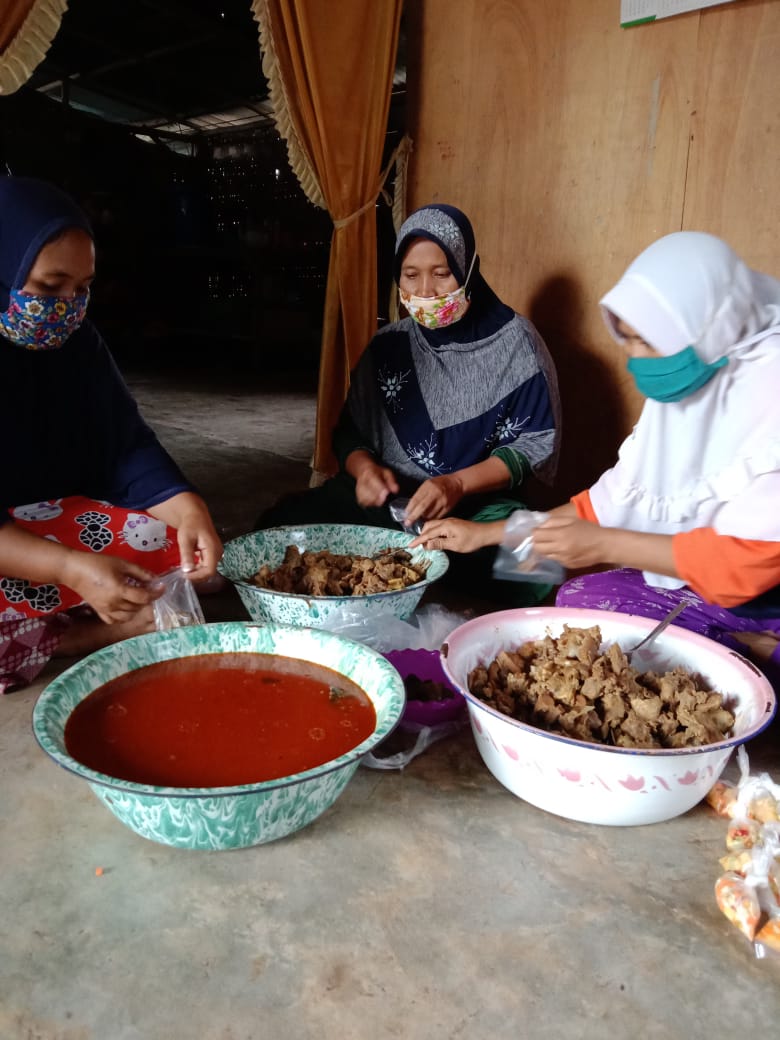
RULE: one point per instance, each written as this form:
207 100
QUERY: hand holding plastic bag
517 560
179 605
398 512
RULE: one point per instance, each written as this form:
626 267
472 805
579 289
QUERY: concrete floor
424 904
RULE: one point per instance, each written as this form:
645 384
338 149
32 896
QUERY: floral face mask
436 312
42 322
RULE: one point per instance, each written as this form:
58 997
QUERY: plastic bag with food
748 892
179 605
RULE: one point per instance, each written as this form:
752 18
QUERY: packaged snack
742 834
748 892
737 899
722 797
764 808
769 935
773 878
736 862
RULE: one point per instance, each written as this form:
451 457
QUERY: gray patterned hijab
451 230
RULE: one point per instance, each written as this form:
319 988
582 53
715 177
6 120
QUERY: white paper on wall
634 12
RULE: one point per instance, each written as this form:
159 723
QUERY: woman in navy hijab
92 508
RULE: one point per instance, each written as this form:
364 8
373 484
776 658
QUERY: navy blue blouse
71 427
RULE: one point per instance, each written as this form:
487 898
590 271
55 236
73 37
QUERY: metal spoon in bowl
654 633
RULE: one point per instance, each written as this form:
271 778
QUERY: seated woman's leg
26 644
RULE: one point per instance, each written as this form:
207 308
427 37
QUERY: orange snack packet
769 935
722 797
739 903
742 834
737 862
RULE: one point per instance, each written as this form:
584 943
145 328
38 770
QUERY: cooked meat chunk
331 574
570 685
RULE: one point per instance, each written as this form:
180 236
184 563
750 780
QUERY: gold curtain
330 72
27 28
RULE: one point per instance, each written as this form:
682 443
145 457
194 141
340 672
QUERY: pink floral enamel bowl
590 782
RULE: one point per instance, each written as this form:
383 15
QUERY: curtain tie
401 150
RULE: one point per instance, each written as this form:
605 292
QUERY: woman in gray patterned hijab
453 406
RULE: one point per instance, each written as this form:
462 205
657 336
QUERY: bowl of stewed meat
312 574
563 720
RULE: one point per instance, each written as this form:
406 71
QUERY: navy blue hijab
32 212
71 425
487 314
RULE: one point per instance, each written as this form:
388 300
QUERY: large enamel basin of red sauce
234 815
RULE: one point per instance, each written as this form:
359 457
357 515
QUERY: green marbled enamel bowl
245 555
225 817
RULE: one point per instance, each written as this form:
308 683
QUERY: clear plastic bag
748 892
517 560
427 629
398 512
416 739
179 605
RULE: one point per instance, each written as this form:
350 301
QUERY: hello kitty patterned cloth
90 526
34 616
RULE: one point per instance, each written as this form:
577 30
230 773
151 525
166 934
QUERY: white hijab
712 459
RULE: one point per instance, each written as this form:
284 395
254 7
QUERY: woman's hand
460 536
115 589
573 542
579 544
373 483
200 548
435 498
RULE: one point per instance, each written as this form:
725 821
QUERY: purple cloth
625 590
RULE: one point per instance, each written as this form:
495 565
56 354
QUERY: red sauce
218 720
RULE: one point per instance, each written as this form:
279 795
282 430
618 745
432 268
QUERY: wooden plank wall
572 144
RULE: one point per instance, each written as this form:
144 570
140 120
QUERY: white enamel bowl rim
46 738
435 556
587 618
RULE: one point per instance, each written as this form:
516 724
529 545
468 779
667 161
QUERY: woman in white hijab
691 508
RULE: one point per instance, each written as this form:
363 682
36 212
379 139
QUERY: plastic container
426 664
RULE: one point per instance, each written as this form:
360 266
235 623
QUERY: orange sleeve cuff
582 504
725 570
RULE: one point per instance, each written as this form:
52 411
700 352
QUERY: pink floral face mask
434 312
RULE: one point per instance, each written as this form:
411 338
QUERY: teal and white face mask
672 378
